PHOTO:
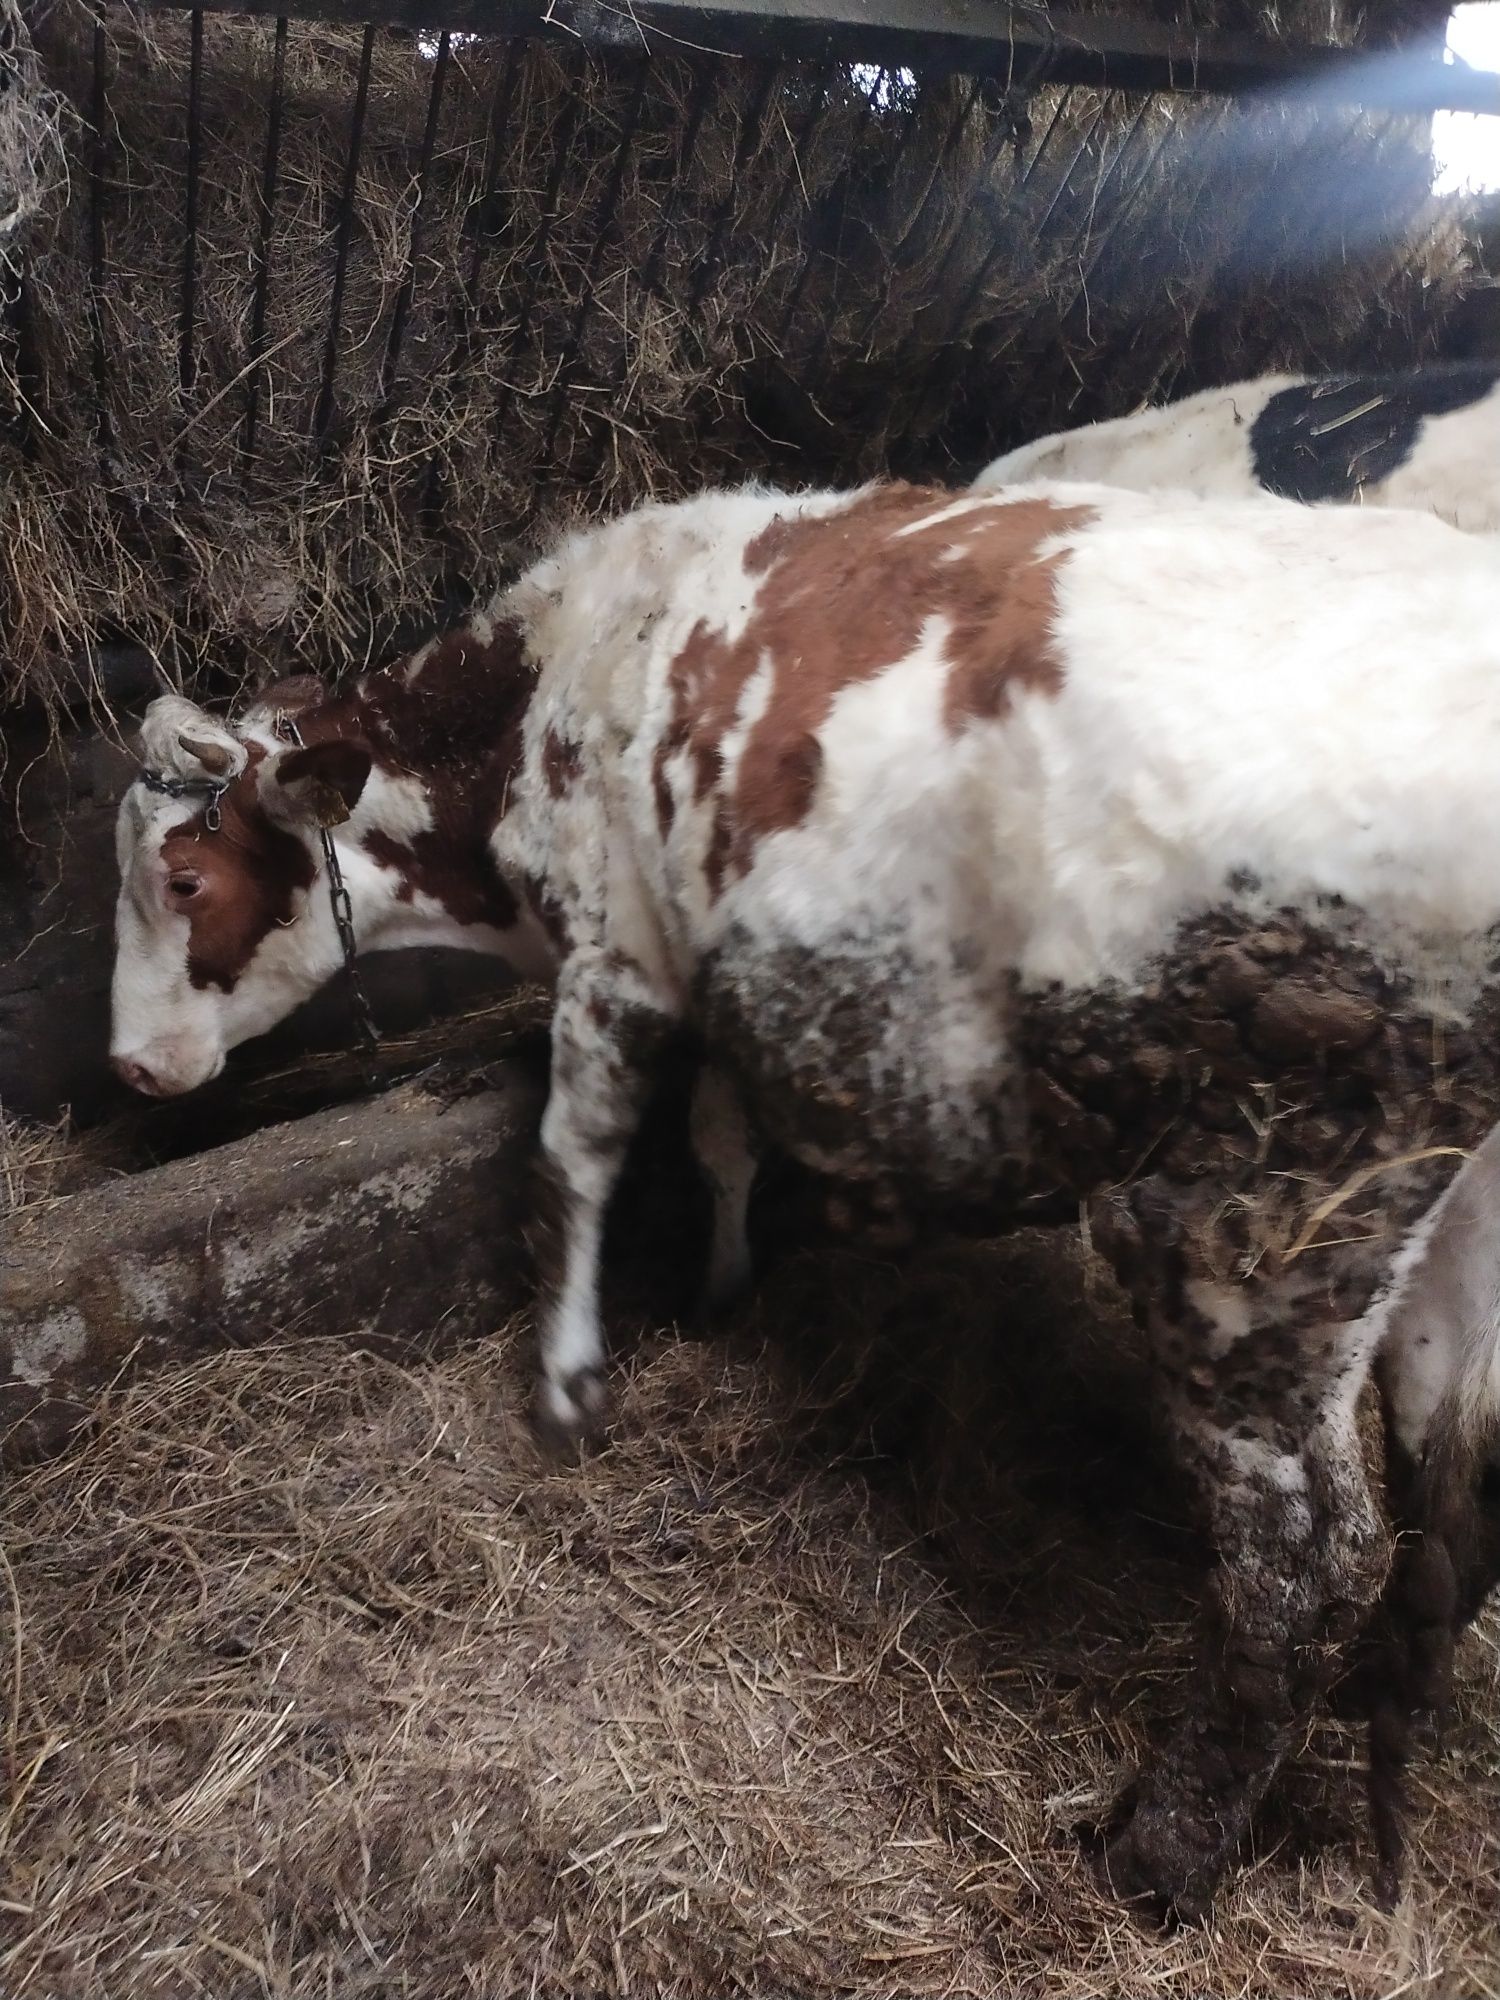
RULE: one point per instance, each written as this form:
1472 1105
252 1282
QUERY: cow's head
223 924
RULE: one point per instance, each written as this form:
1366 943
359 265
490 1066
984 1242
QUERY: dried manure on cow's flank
326 1670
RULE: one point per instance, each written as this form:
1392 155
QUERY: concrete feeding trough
384 1222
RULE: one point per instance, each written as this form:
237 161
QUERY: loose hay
42 1163
32 163
328 1683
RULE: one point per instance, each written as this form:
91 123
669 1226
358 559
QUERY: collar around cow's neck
212 789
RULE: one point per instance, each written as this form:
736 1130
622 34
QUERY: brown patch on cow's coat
561 763
251 871
1002 630
326 778
548 912
456 727
429 866
842 597
769 545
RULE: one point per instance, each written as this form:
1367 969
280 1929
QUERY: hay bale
328 1682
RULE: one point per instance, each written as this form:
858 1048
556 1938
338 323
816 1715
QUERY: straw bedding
325 1682
43 1163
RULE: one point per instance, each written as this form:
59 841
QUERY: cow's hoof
724 1289
1156 1886
572 1413
1385 1887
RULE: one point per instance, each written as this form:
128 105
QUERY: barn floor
327 1683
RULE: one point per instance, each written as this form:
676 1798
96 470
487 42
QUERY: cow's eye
183 888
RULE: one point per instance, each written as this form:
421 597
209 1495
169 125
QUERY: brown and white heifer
1137 846
1428 439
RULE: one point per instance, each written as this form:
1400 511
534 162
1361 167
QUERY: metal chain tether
343 918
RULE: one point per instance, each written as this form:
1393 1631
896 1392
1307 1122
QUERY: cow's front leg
727 1150
609 1028
1259 1391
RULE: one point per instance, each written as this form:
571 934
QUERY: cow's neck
445 726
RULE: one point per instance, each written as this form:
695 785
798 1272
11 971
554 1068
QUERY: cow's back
863 769
1198 445
1427 439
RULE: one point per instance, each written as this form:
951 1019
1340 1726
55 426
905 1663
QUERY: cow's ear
182 740
319 785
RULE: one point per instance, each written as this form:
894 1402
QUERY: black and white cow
1428 440
1144 847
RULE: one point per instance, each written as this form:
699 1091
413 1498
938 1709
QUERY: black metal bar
1102 52
603 230
993 255
402 308
1162 384
187 360
99 113
1308 256
1379 135
466 312
797 146
708 75
500 109
906 358
752 131
945 152
1123 208
708 79
261 283
816 373
562 140
1205 270
894 250
323 409
987 263
998 141
840 202
1064 185
1064 100
1104 180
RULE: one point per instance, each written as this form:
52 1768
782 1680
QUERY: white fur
1198 445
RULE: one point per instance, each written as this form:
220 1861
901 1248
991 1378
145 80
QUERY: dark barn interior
319 1678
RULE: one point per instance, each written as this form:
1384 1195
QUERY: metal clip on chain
211 790
343 918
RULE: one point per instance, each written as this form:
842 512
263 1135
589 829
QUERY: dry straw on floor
326 1683
40 1163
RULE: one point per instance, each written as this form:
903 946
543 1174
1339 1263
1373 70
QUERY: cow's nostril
136 1075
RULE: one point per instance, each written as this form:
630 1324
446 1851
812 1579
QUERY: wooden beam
974 37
